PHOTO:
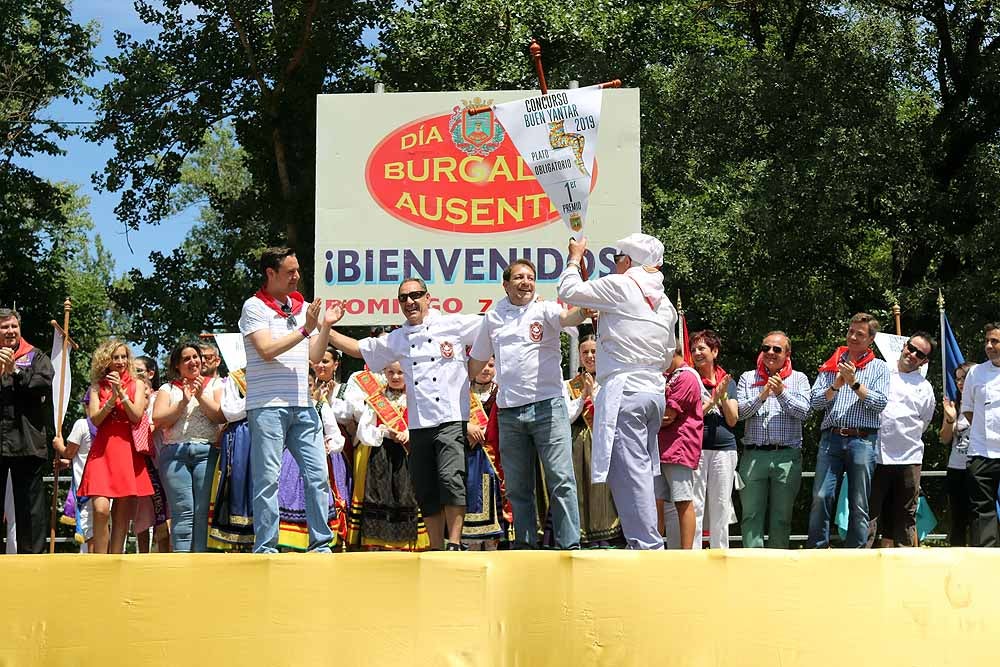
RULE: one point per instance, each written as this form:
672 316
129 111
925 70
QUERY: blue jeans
836 454
540 429
187 481
298 429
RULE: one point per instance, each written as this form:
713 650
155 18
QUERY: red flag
686 341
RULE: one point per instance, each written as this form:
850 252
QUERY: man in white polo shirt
981 406
431 351
281 341
635 345
892 503
523 334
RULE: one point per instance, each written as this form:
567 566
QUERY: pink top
680 442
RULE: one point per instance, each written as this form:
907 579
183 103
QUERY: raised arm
269 348
342 342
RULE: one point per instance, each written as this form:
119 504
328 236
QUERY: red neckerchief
763 374
830 365
23 349
295 297
712 383
106 392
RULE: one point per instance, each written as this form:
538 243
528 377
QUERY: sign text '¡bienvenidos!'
418 175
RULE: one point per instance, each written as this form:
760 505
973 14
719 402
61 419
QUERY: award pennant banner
556 134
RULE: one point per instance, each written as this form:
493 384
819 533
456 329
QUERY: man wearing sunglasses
523 334
851 391
773 401
896 482
635 345
431 351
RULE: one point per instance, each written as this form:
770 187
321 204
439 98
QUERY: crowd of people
461 433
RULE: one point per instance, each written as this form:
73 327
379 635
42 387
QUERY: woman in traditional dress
384 515
115 474
487 513
333 412
599 524
188 412
231 513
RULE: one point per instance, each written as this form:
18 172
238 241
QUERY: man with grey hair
25 389
635 343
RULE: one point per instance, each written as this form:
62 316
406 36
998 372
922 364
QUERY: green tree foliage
257 66
792 151
202 284
43 55
45 248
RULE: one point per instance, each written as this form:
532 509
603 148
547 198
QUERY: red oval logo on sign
458 173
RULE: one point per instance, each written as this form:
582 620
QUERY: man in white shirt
280 331
892 503
523 334
981 406
431 351
635 343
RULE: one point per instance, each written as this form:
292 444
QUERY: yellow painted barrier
933 607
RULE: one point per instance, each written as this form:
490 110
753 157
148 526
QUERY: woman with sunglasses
955 432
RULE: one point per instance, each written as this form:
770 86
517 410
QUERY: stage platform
912 607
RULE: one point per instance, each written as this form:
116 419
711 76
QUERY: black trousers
29 500
961 509
982 480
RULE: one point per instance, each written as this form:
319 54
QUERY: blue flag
952 357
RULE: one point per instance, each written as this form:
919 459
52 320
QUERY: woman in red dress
115 471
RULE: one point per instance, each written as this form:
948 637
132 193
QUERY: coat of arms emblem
535 331
478 134
447 351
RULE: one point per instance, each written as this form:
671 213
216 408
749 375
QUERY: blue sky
83 158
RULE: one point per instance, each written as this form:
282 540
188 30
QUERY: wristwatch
855 386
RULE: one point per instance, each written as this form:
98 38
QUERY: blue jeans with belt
854 454
540 429
187 481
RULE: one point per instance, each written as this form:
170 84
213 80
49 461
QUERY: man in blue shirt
851 390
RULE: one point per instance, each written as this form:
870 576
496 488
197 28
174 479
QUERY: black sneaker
455 546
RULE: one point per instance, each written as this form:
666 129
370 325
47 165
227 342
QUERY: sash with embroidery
375 397
575 390
477 414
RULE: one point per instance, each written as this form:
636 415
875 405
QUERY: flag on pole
952 354
686 340
556 135
62 380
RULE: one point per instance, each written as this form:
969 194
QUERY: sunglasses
289 318
412 296
619 256
919 354
777 349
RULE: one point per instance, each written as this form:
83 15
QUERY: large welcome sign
411 185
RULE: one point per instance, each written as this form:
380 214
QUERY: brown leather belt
850 432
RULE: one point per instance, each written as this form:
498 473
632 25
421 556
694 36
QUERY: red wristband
302 330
